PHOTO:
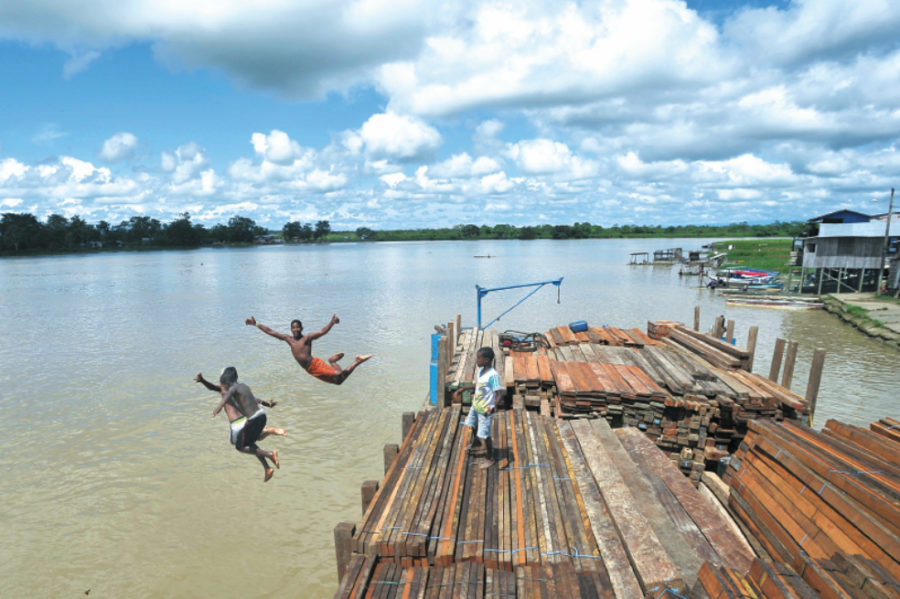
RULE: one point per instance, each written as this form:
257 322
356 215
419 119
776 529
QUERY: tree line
25 233
583 230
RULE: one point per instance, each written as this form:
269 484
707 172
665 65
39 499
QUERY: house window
811 247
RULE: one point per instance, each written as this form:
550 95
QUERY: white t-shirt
487 383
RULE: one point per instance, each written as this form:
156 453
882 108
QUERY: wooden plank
649 559
622 577
715 529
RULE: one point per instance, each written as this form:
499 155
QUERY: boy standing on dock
488 394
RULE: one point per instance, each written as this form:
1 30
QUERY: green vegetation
862 314
23 233
768 254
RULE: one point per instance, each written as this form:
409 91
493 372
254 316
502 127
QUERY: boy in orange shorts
301 348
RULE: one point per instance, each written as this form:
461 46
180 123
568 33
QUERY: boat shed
843 253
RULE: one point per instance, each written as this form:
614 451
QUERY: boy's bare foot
363 358
275 459
275 430
336 357
269 473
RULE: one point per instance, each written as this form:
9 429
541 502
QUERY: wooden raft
573 496
818 494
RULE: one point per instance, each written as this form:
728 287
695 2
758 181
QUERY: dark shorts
252 430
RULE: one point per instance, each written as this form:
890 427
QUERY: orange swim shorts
321 370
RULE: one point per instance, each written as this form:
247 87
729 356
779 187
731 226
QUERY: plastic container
578 326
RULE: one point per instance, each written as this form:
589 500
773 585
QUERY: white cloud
78 62
9 168
276 147
11 202
48 133
399 137
119 147
187 162
545 156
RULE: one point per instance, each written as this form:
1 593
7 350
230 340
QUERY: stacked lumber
714 351
373 577
888 427
437 506
817 494
609 506
562 336
840 577
531 379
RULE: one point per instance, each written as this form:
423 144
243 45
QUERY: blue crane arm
483 291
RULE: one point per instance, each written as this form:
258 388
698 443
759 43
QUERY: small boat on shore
774 301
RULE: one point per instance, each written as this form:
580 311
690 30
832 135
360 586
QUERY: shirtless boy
236 420
301 348
238 396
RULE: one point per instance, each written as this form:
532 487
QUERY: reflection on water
116 479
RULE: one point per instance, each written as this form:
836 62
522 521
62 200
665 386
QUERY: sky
417 114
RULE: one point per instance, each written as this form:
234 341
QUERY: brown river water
116 479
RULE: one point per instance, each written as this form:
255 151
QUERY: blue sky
426 114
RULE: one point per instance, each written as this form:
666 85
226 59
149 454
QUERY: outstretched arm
199 379
221 405
252 322
334 320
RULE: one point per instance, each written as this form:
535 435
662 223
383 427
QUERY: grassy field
767 253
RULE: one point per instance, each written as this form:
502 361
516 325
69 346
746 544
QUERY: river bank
876 317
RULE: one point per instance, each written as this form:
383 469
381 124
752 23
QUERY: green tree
292 231
242 229
20 232
527 233
323 228
365 234
55 231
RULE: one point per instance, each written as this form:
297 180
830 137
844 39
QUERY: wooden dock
587 495
577 509
564 496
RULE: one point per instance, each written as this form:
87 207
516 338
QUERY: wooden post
458 328
751 346
390 454
343 535
697 318
776 359
815 377
406 422
719 327
729 332
367 491
820 273
788 375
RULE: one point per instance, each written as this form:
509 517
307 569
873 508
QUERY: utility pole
887 241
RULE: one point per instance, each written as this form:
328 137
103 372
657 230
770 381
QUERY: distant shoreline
338 238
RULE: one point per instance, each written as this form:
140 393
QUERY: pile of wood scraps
817 494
